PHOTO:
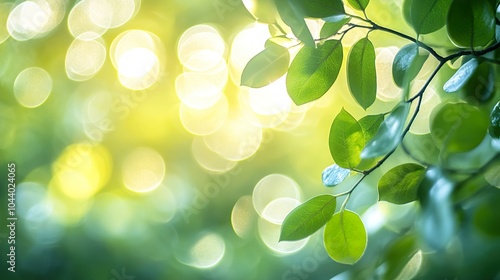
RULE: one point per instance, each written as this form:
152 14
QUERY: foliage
458 126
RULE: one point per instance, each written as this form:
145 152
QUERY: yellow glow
200 48
245 46
273 187
32 87
82 170
84 59
139 58
277 210
143 170
80 24
270 233
243 216
111 13
207 252
236 140
4 14
386 88
209 159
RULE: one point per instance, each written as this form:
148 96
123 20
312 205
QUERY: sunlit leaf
346 140
361 73
295 21
388 134
262 10
334 175
436 223
313 71
319 8
333 26
400 184
345 237
460 78
407 63
494 128
458 127
369 126
471 23
266 67
308 218
427 16
359 4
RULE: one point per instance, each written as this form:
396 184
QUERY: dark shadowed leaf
330 28
308 218
266 67
460 78
345 237
407 63
313 71
481 86
361 73
346 140
400 184
388 134
471 23
458 127
427 16
334 175
398 255
292 17
369 126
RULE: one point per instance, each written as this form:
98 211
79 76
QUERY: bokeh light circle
32 87
84 59
143 170
272 187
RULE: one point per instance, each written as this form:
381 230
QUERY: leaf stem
353 187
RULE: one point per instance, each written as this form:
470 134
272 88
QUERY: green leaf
471 24
388 134
460 78
334 175
308 218
494 128
292 17
346 140
313 71
400 184
486 216
359 4
458 127
369 126
361 73
330 28
319 8
481 86
398 255
423 147
266 67
427 16
407 63
345 237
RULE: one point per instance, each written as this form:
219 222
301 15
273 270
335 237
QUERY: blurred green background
138 156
